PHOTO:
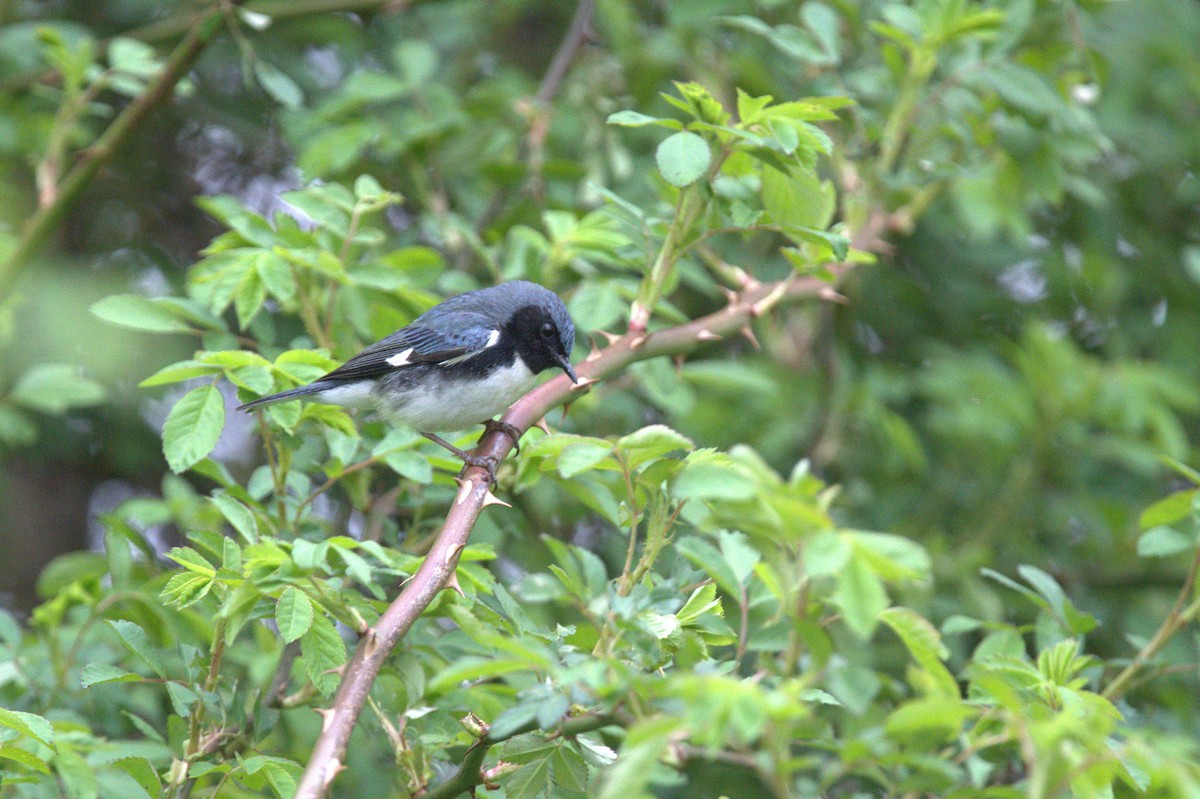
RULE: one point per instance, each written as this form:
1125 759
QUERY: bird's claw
488 462
512 431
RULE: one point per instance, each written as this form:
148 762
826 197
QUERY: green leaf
97 673
193 427
941 716
323 650
182 698
178 372
18 755
139 313
28 724
707 557
530 781
582 456
469 669
861 596
1169 509
1162 542
797 198
142 772
276 83
139 643
644 745
56 388
1076 621
651 443
924 644
633 119
683 158
192 560
293 614
410 464
715 478
238 515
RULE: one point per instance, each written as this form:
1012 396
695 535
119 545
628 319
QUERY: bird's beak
566 367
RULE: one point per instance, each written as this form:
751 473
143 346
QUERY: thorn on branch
454 553
613 338
464 490
639 341
730 295
542 425
492 499
454 585
748 333
829 294
326 714
336 767
708 335
583 385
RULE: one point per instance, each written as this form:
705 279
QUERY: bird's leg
512 431
488 462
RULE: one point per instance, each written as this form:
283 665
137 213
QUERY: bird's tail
283 396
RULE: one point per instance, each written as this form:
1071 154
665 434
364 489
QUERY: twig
1181 613
101 152
437 571
539 114
470 771
574 38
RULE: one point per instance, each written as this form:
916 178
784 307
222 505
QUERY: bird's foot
488 462
512 431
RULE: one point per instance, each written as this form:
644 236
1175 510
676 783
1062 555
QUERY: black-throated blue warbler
458 364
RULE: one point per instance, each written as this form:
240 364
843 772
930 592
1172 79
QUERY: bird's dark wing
417 343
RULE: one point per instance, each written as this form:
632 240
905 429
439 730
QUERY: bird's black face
542 341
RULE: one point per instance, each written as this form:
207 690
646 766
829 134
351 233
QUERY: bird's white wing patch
492 338
400 358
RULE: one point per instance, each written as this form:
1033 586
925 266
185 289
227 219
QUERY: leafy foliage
681 601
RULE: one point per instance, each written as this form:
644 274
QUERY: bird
459 364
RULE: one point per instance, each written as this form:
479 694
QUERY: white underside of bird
440 402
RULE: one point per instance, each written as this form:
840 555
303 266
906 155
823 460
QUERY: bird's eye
547 330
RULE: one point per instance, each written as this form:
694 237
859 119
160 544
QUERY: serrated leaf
28 724
139 643
98 673
323 650
293 614
193 427
683 158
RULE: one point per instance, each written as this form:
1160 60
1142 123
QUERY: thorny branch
437 571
